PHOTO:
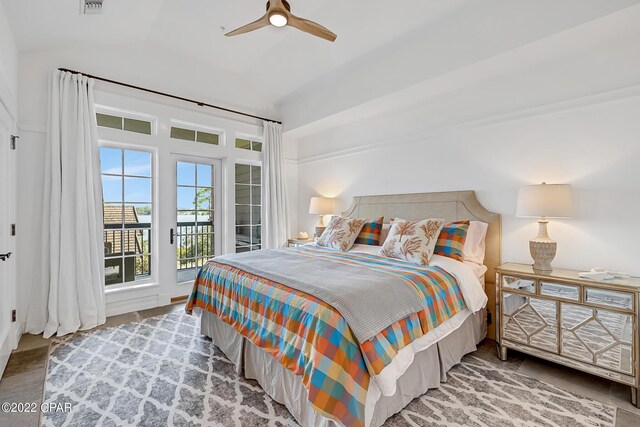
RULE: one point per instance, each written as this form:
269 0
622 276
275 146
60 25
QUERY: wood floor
23 380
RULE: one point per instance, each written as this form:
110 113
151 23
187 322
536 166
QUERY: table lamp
544 201
320 206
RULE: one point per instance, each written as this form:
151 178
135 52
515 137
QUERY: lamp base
543 249
320 226
542 252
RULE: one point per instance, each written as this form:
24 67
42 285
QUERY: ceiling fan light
278 19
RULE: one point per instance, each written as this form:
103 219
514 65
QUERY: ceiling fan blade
311 28
262 22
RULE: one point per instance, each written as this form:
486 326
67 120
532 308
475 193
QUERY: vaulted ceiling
402 43
281 59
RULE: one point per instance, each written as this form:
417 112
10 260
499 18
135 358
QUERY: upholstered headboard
452 206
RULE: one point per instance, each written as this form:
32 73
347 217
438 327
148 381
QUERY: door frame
9 332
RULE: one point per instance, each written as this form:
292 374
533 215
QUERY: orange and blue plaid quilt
311 338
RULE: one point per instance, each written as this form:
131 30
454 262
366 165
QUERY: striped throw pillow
370 233
451 240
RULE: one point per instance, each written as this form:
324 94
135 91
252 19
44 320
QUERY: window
124 123
127 207
195 135
249 144
195 217
248 207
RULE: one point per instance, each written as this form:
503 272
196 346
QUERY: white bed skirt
427 371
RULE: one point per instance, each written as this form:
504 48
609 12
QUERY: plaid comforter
311 339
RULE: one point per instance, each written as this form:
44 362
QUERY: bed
325 369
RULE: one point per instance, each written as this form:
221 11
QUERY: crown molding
426 134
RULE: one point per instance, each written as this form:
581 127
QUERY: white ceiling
281 59
289 64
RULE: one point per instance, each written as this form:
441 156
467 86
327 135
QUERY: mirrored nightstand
583 324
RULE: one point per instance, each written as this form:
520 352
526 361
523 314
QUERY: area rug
161 371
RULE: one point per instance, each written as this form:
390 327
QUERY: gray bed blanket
370 297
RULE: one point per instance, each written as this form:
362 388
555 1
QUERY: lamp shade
545 200
321 206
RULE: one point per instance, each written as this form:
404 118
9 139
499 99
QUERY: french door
196 234
7 241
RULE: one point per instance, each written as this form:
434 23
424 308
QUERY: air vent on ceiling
88 7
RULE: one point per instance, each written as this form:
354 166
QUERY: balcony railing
195 244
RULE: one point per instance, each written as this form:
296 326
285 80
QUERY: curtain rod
168 95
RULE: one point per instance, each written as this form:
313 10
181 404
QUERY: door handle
4 257
171 236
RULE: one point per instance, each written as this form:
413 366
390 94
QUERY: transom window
127 209
249 144
124 123
248 207
195 135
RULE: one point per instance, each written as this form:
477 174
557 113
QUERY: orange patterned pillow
412 241
341 233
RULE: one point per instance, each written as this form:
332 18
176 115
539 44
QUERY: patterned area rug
160 371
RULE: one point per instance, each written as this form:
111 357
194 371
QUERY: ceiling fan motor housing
278 15
284 2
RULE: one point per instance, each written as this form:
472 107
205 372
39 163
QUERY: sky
135 168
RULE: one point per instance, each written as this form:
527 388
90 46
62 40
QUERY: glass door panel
127 183
195 234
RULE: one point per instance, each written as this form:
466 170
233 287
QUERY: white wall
593 146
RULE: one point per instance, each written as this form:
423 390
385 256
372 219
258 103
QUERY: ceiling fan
279 15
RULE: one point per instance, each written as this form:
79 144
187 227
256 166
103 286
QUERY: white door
195 229
7 241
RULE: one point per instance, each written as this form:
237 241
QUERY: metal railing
195 244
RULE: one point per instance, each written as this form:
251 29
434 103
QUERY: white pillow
341 233
412 241
478 269
474 245
384 233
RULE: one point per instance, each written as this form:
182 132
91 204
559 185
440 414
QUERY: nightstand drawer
519 283
609 298
560 290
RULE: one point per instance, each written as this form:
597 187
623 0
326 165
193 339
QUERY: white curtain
70 295
276 221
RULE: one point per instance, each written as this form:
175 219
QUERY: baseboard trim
179 299
115 308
